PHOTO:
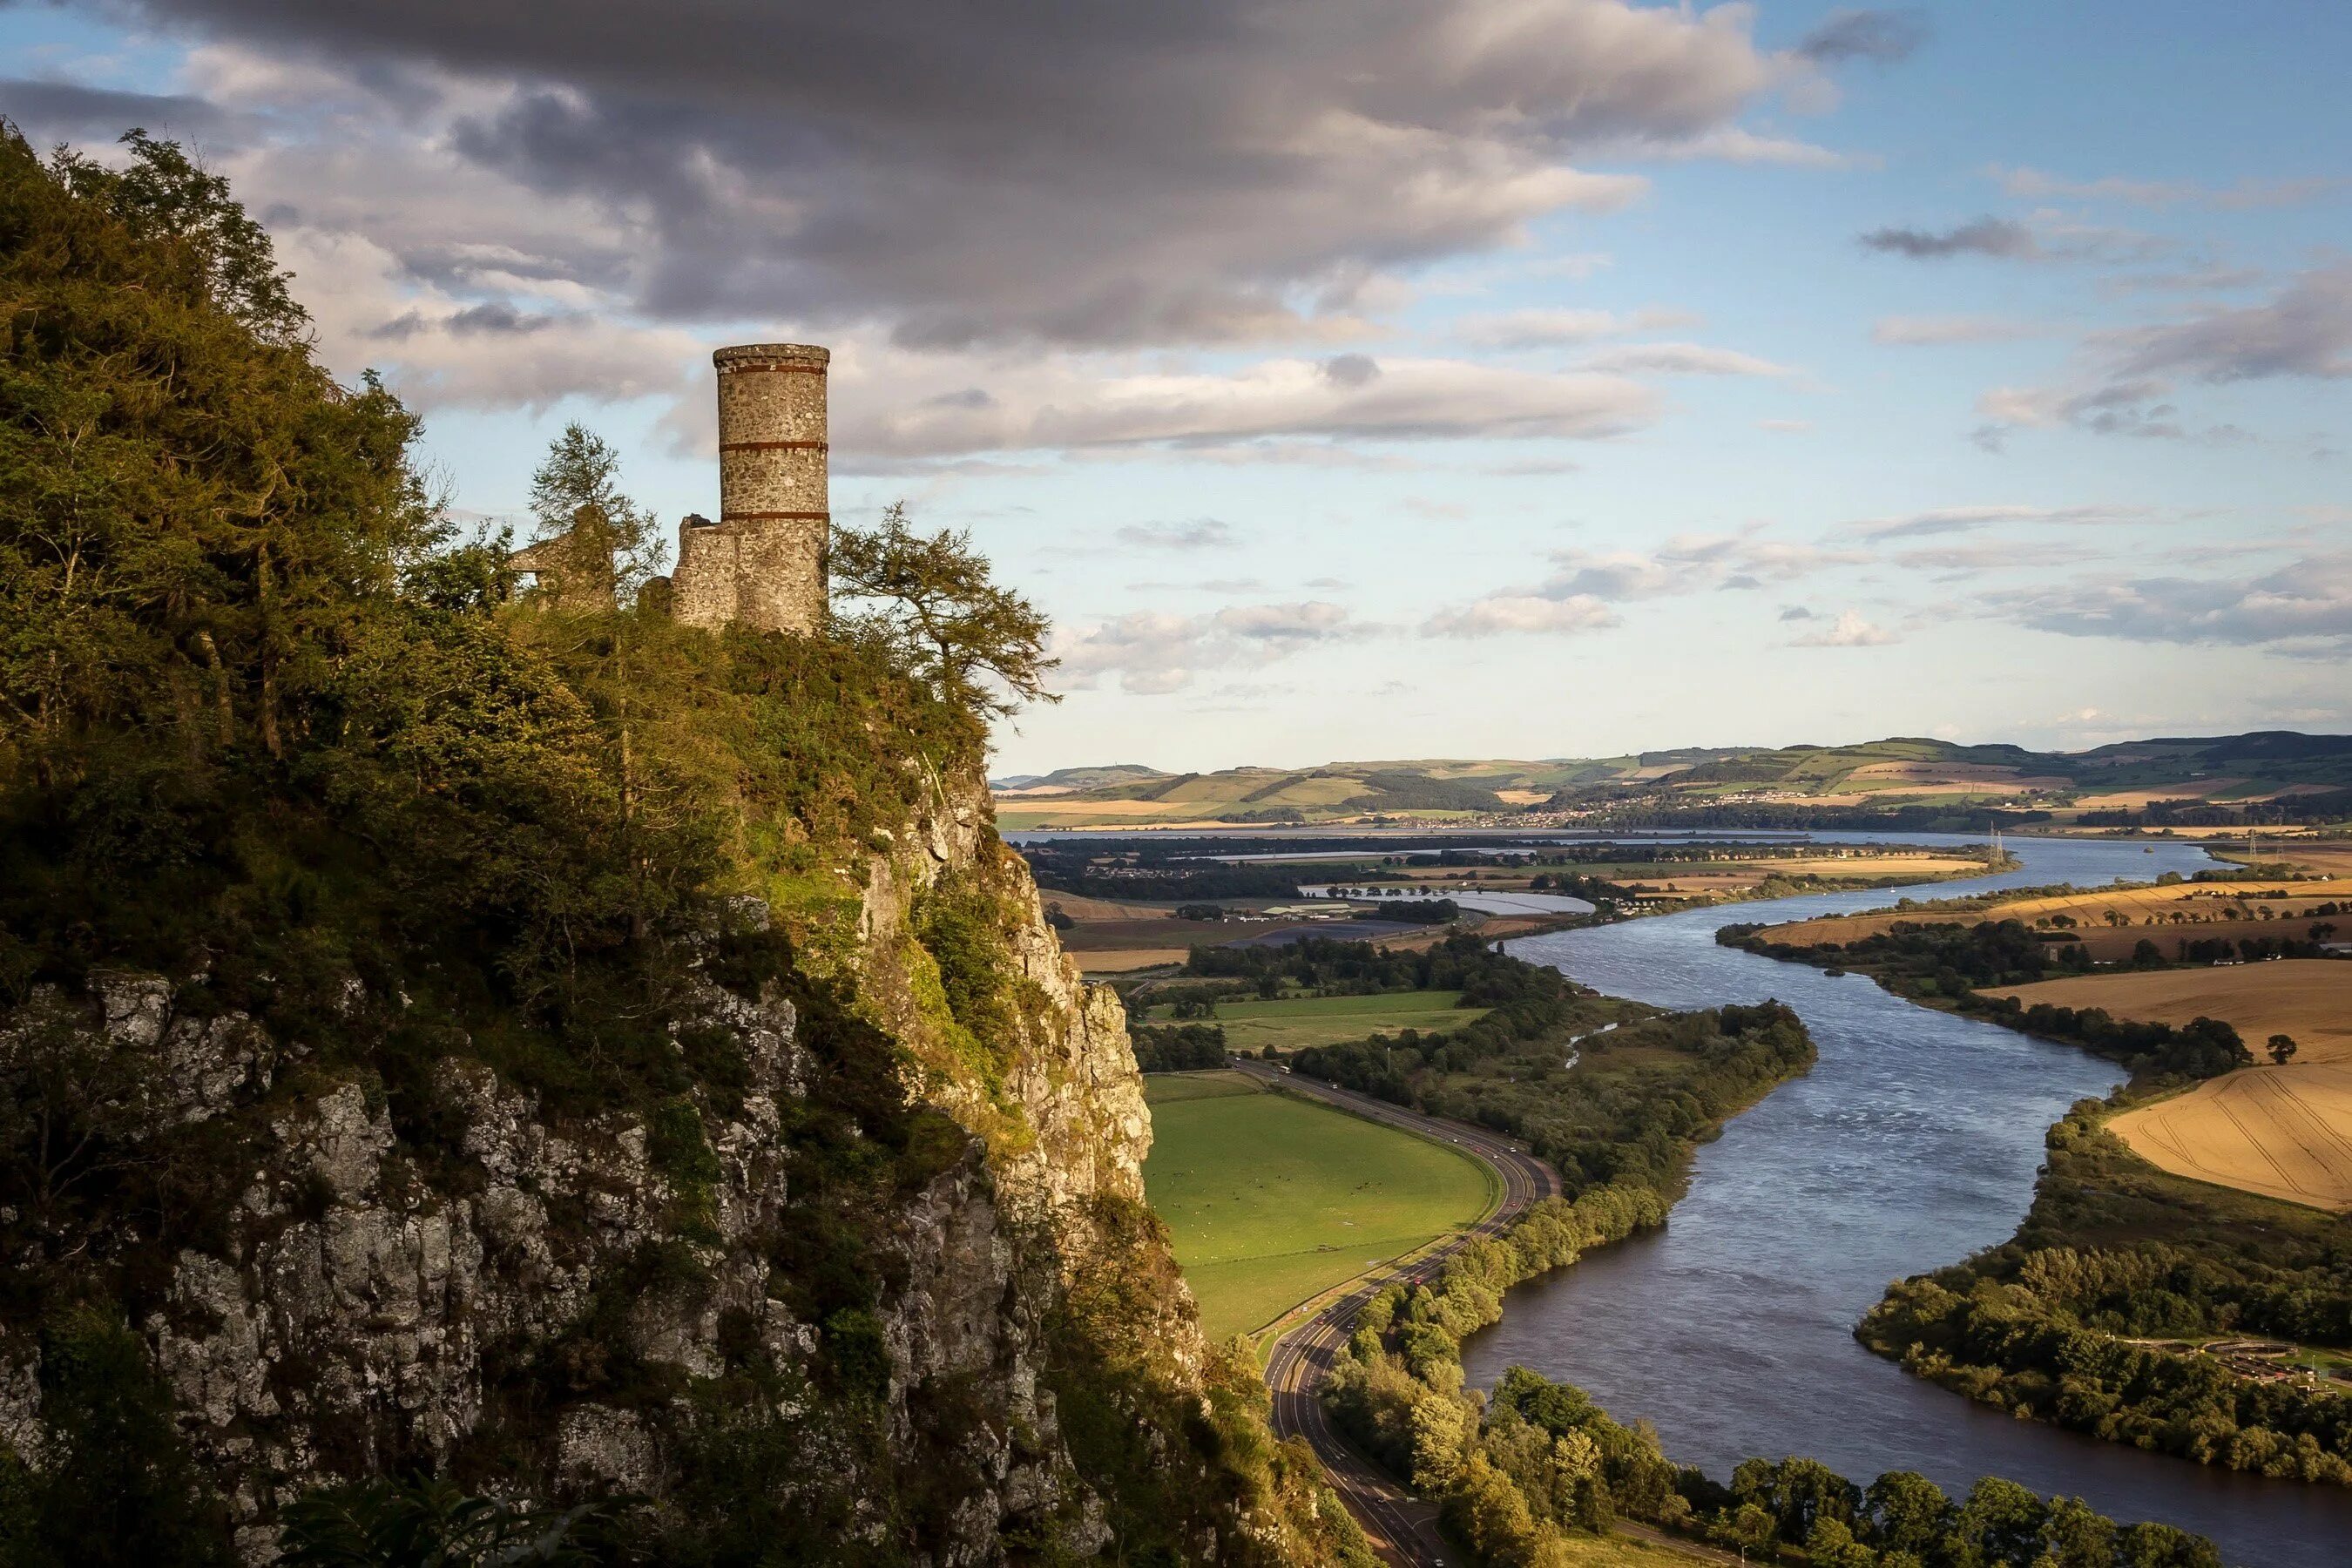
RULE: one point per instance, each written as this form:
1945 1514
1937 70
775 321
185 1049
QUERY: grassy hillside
2184 781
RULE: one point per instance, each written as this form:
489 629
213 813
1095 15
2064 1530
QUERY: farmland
2109 922
1294 1022
1269 1199
2151 782
2282 1131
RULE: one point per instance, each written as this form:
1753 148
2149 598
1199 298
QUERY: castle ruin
762 562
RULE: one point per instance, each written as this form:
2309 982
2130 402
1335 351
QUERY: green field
1328 1020
1269 1198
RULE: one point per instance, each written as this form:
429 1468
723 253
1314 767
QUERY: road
1402 1528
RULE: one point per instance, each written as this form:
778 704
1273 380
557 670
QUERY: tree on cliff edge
934 603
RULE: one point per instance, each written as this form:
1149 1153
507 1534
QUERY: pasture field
1297 1022
1168 1087
1270 1199
2282 1131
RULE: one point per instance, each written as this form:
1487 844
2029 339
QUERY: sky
1357 379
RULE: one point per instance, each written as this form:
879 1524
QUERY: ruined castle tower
762 562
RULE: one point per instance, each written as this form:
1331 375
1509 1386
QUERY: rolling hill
2181 781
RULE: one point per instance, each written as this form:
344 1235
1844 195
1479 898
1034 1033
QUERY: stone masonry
763 562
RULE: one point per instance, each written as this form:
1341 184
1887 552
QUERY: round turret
763 563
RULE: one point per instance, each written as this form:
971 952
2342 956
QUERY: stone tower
762 562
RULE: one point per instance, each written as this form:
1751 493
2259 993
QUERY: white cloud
1547 329
1584 585
1202 534
1505 614
1920 330
1062 403
1154 652
1681 359
1850 630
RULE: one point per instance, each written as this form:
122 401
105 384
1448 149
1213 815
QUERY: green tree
163 193
603 542
1907 1512
930 598
2282 1048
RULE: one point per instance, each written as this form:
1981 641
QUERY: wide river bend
1913 1142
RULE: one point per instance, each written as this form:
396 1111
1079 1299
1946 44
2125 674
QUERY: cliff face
365 1305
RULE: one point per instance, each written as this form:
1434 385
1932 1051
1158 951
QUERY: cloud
1099 175
1796 613
1583 585
1883 37
2127 381
1505 614
2304 605
1202 534
1062 403
69 110
1850 630
1955 561
1996 237
1681 359
1920 330
1969 519
1154 652
2244 194
2305 331
1550 329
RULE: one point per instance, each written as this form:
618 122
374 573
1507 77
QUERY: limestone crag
363 1302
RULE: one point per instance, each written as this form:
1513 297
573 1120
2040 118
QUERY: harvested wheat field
2159 912
2309 998
2284 1132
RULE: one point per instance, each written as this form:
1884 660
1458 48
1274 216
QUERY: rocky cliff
558 1299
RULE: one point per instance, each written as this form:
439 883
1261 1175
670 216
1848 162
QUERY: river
1913 1142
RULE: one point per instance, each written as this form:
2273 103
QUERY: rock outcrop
365 1305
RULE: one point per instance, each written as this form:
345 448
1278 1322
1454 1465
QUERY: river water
1913 1142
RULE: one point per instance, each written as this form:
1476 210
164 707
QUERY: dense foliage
1949 962
2115 1250
1179 1048
1130 870
1644 1090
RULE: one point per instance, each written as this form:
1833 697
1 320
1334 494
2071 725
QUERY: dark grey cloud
1034 170
51 110
493 318
1882 36
1351 370
1988 236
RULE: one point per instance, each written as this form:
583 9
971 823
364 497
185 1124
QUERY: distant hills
2266 775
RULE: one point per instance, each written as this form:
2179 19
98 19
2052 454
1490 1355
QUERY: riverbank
2113 1247
1914 1141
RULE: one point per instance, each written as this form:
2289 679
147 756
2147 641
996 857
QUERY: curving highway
1402 1528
